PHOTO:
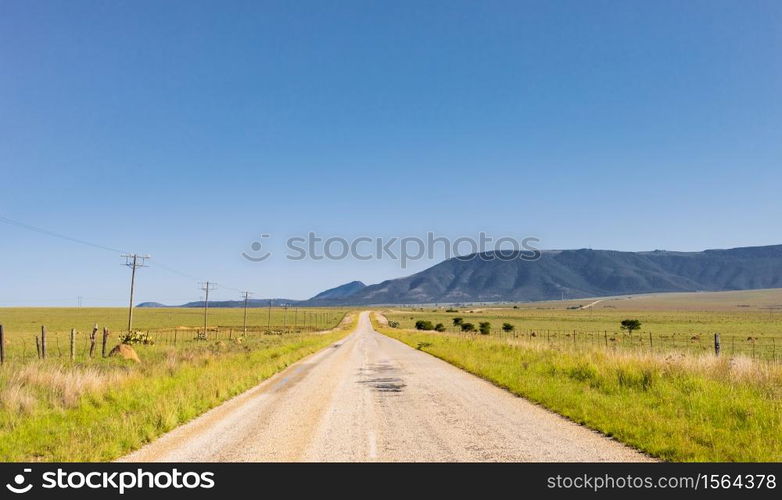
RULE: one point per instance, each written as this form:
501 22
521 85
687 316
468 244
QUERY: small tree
458 321
630 325
484 327
468 327
439 327
424 325
508 328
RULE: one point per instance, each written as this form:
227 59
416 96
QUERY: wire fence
755 347
95 343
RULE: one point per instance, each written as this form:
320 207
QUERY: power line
35 229
123 253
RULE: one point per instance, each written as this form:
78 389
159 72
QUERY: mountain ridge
579 273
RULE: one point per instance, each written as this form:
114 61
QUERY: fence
96 342
756 347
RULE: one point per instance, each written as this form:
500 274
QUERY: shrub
422 324
393 324
468 327
136 338
458 321
507 327
484 327
439 327
630 325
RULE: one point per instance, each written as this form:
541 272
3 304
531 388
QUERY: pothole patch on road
384 384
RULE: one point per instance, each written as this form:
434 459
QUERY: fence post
92 340
651 346
605 336
73 344
43 342
2 345
104 340
717 344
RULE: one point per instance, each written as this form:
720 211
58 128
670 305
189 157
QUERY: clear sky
186 129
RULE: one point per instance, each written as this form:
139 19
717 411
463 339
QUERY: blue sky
186 129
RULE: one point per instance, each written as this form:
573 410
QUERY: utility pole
246 298
133 261
206 286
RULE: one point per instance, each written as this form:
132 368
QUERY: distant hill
240 303
580 273
340 292
558 273
229 303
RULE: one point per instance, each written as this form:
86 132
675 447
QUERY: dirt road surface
372 398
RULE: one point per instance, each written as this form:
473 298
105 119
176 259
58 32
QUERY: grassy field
100 409
676 408
749 322
23 324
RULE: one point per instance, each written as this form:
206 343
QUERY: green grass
749 322
29 319
676 408
101 409
23 324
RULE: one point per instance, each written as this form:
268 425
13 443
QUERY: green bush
136 338
630 325
422 324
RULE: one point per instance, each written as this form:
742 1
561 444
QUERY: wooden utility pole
2 345
133 261
206 286
246 299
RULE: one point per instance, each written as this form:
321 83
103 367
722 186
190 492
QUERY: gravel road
372 398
